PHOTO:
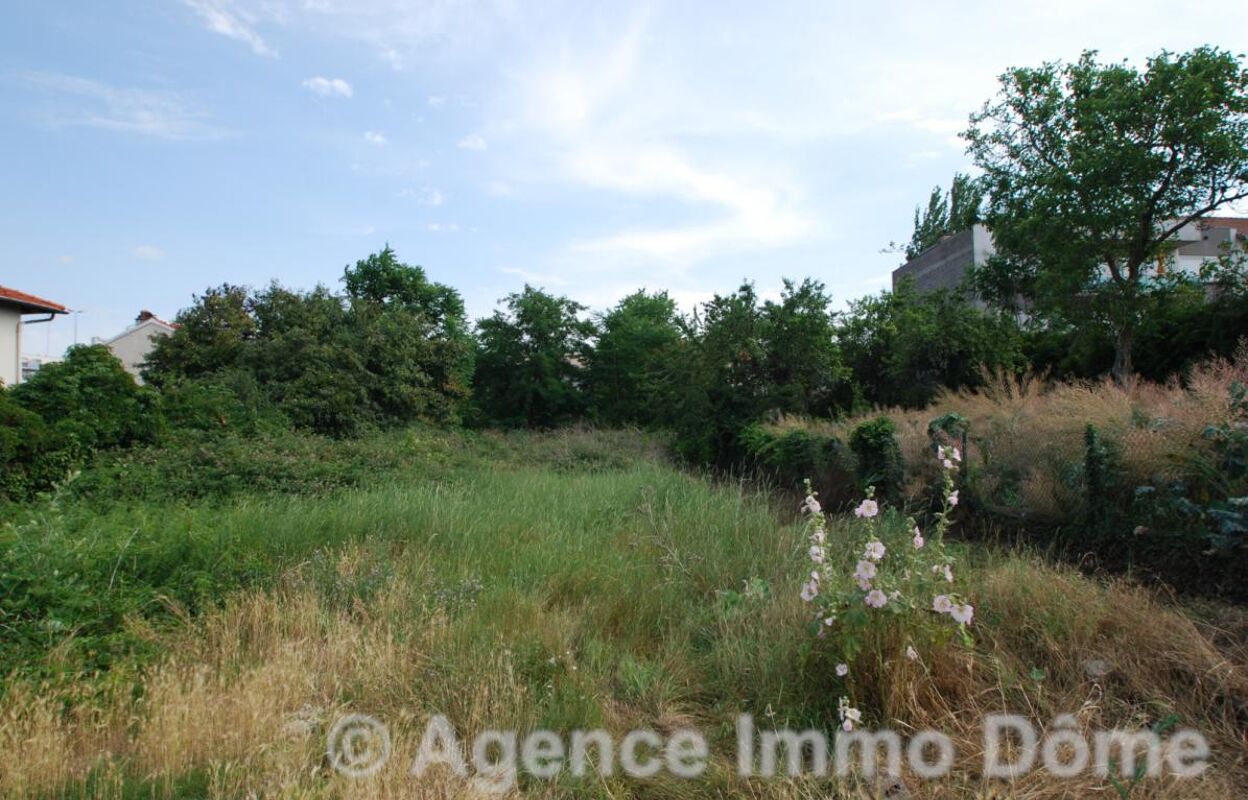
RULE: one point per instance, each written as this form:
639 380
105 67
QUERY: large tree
531 361
1092 168
630 365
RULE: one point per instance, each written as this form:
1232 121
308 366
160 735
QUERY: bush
394 349
229 402
32 457
879 458
792 456
90 397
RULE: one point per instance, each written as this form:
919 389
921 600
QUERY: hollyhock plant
886 573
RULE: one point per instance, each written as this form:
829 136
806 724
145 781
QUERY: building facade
132 345
945 264
15 305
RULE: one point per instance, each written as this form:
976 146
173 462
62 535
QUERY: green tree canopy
630 364
531 360
1091 168
803 360
903 346
394 349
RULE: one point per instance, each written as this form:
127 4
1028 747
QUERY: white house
132 345
13 306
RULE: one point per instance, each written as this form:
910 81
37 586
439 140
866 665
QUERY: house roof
29 303
153 320
1240 224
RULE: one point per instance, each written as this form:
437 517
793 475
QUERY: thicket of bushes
247 370
394 348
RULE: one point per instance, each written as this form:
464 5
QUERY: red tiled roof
1240 224
30 303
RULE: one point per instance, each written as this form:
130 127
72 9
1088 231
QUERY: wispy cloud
608 123
436 101
149 112
442 227
328 87
231 20
148 252
376 138
473 141
429 197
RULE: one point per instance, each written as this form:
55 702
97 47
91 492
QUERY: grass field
573 581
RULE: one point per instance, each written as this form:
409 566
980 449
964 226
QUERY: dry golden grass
247 693
1029 433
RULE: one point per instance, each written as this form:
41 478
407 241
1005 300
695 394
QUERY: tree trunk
1123 370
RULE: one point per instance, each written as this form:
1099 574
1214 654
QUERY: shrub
879 457
790 456
90 397
228 402
32 457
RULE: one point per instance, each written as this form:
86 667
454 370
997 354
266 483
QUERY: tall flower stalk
896 576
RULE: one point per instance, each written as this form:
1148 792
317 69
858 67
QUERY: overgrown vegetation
504 592
1148 480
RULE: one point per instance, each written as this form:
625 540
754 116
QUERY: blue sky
149 149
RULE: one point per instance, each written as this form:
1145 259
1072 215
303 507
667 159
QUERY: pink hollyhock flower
876 599
842 670
809 591
911 653
811 505
867 509
875 550
941 604
963 614
918 539
953 499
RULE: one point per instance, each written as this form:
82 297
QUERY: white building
13 306
132 345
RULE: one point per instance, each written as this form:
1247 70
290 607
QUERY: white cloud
442 227
148 252
426 196
376 138
229 19
66 260
87 103
472 141
328 87
498 189
597 111
436 101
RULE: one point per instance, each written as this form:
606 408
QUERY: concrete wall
132 347
945 264
10 345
